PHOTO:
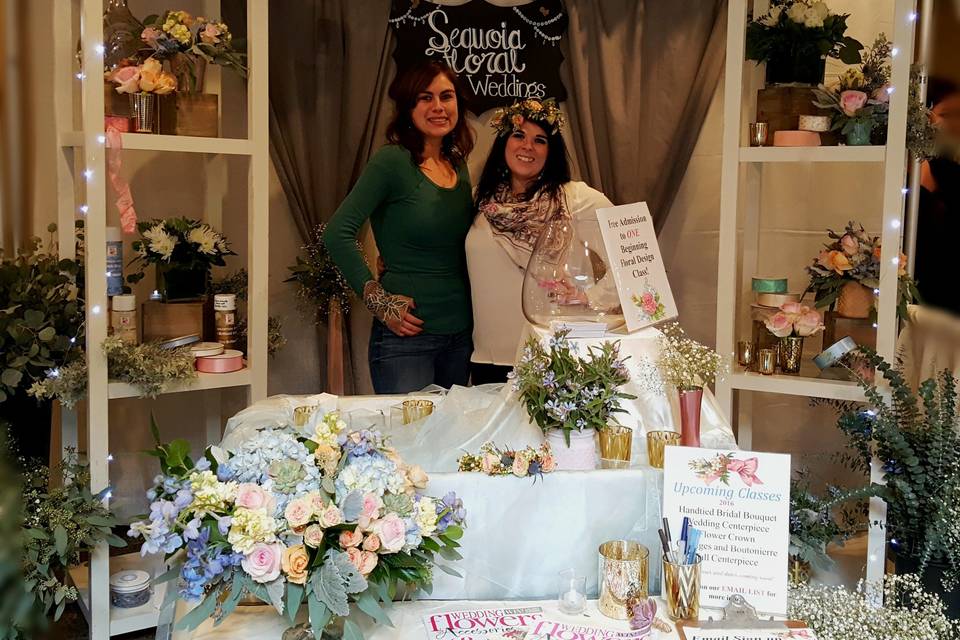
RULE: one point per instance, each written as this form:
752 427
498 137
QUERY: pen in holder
681 589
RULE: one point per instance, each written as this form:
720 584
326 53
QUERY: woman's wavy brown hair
404 90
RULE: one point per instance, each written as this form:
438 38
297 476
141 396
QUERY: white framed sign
634 256
740 501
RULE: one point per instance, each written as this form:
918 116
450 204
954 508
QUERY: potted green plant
916 438
183 251
795 37
41 329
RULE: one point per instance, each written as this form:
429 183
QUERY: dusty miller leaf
275 590
352 506
336 578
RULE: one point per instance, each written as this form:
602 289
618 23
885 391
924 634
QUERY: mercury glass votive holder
657 442
622 575
767 361
746 353
616 442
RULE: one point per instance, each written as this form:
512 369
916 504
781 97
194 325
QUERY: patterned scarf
517 224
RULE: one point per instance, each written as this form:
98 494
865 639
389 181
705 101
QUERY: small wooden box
190 114
781 108
860 329
166 320
115 104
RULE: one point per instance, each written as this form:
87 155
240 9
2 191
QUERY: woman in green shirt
416 193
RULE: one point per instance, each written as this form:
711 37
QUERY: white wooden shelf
156 142
797 386
202 382
813 154
124 620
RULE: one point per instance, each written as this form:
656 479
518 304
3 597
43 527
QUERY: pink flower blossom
881 94
809 323
779 324
263 562
520 466
253 496
371 542
330 517
127 79
350 538
210 33
298 512
371 510
392 532
150 35
368 562
852 101
313 536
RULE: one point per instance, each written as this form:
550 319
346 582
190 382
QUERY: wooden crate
782 107
115 104
166 320
190 114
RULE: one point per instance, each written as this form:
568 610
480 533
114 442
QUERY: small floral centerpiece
688 366
792 323
846 274
190 43
494 461
184 251
566 394
321 516
795 36
908 612
146 77
860 99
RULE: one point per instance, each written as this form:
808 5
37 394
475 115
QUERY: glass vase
121 33
182 283
568 277
690 400
143 108
791 354
859 133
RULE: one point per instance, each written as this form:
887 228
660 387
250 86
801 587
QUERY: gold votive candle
681 589
414 410
657 441
302 414
767 361
615 444
746 353
622 575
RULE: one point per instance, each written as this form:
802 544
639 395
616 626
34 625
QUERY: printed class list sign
740 500
478 624
634 256
501 53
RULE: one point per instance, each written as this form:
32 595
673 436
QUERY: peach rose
852 101
835 261
166 83
779 324
548 464
355 556
350 538
150 72
294 563
127 79
317 502
210 33
520 466
330 517
417 476
368 562
517 121
371 542
489 462
392 532
809 323
298 512
849 244
902 265
263 562
313 536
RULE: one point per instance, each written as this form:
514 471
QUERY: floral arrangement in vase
564 393
860 98
792 323
795 36
688 366
183 250
846 274
494 461
190 43
318 516
146 77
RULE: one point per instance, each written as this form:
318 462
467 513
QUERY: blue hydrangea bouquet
321 516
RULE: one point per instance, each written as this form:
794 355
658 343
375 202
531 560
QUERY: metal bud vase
143 108
690 400
791 354
681 589
622 575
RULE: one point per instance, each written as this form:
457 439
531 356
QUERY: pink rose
350 538
809 323
392 532
791 308
127 79
779 324
313 536
520 466
150 35
298 512
210 33
253 496
330 517
371 542
355 556
263 563
881 94
489 462
317 502
647 299
852 101
548 464
368 562
371 510
849 244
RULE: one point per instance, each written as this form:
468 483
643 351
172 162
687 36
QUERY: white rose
822 10
811 18
797 12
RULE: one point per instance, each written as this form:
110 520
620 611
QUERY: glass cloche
568 277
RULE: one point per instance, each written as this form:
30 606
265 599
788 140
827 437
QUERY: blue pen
684 528
692 543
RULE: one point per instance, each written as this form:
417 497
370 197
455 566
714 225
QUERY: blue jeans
401 364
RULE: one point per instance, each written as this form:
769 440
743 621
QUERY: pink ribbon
747 470
128 215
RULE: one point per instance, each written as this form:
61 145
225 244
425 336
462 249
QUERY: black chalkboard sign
500 53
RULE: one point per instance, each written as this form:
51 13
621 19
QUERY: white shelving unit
741 176
82 149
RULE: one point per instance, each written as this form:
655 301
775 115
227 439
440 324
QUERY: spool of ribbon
770 285
124 202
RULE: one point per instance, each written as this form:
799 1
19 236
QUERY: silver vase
143 109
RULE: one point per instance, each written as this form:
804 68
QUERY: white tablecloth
263 623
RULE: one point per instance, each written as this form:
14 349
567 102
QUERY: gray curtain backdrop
639 73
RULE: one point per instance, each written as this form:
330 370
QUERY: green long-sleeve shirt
420 230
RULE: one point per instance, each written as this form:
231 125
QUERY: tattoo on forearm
385 306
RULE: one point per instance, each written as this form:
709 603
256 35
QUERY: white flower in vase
206 238
161 242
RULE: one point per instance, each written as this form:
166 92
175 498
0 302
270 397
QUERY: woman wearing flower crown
525 183
416 192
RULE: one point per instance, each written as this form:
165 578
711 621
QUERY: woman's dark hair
404 90
939 89
556 169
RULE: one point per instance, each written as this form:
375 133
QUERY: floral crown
545 112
